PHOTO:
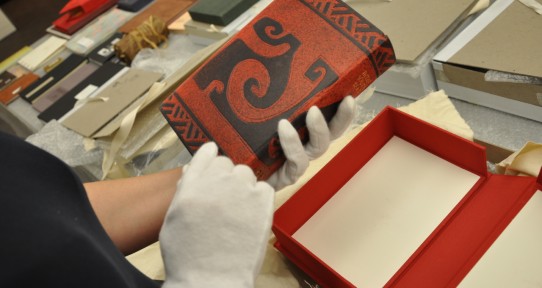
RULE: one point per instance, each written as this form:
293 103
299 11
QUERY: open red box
459 214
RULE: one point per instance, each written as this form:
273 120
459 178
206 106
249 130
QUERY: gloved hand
320 135
217 226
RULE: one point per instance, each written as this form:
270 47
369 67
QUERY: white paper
515 259
372 225
38 55
87 91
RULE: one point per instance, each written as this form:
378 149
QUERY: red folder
459 241
78 13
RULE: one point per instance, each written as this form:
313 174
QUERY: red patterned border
179 118
358 29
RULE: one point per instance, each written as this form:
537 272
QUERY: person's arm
132 210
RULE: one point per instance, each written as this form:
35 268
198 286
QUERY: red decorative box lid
295 54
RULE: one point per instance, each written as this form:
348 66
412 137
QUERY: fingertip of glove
349 102
286 129
222 163
313 109
314 113
209 146
283 123
245 172
264 187
203 157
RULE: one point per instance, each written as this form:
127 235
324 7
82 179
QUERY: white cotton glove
217 227
320 135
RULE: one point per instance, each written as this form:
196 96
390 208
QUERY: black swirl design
216 76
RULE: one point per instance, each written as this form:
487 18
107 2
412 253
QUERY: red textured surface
295 54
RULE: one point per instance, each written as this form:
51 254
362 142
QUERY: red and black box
295 54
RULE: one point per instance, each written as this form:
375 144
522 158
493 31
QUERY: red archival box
460 239
293 55
77 13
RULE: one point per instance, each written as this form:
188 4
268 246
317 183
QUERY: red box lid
294 55
77 13
85 6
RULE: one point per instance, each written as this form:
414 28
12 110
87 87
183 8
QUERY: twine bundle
150 33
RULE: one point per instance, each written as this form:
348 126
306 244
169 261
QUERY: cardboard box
416 36
276 68
492 44
407 204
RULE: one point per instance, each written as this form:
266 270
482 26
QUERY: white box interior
515 259
377 220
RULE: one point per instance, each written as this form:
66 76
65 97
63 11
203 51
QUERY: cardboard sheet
509 43
413 25
111 101
386 212
514 260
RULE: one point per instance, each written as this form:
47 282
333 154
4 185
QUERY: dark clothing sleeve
49 234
